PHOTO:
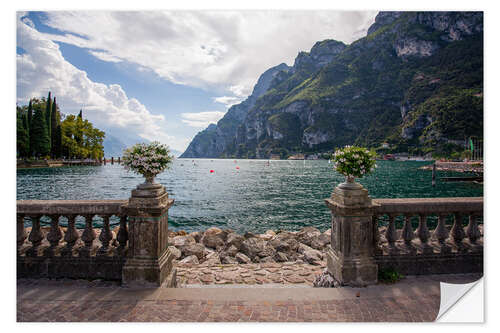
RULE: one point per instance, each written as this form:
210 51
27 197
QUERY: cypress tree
22 138
55 121
40 136
48 113
79 129
30 113
30 117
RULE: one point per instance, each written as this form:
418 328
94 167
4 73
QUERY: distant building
275 156
385 145
312 157
297 157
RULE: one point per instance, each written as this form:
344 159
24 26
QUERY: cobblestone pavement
250 274
412 299
385 309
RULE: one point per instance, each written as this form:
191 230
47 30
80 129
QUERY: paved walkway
248 274
414 299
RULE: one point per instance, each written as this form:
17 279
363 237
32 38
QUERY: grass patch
389 276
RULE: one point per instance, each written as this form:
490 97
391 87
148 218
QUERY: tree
74 137
40 140
55 124
48 112
30 117
80 139
22 134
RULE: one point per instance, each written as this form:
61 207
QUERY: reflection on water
243 195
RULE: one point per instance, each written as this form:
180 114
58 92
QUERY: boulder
312 256
242 259
252 246
302 248
286 235
268 235
279 244
175 252
307 234
235 240
180 241
212 240
267 259
267 251
228 260
212 259
320 242
249 234
212 231
231 251
193 249
280 257
190 260
197 235
265 237
293 244
208 252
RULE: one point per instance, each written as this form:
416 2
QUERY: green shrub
389 275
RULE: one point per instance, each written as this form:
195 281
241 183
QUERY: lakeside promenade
413 299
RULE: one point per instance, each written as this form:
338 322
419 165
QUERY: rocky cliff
415 81
212 141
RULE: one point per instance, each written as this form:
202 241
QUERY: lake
243 195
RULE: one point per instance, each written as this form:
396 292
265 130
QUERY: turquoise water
256 197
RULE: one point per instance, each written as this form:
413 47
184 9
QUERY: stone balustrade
66 252
452 245
372 235
135 252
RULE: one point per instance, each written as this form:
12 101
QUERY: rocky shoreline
217 246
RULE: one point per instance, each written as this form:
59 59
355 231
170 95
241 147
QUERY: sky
163 75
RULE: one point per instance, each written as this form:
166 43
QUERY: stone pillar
149 262
350 258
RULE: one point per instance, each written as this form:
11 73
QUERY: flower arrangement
352 161
147 159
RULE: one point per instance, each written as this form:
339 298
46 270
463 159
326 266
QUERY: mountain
213 141
113 147
415 81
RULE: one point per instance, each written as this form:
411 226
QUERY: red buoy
211 171
237 168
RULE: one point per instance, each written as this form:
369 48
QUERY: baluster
122 235
35 237
105 237
88 237
472 232
376 236
407 234
390 234
457 232
70 237
54 236
424 235
441 234
21 232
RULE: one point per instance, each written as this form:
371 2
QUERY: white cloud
223 49
105 56
42 68
201 119
228 101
